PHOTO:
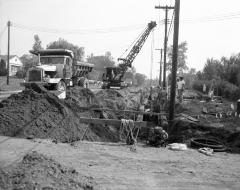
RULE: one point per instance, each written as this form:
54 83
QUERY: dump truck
56 70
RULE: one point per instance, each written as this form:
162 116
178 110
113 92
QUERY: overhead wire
2 32
171 25
77 31
219 17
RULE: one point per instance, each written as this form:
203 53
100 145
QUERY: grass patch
14 84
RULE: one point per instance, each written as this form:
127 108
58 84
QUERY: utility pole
174 61
166 8
160 71
8 25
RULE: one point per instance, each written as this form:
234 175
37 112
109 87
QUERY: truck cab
56 70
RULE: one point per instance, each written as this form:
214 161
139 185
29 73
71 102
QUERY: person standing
204 88
180 88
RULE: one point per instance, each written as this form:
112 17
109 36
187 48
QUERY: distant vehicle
57 69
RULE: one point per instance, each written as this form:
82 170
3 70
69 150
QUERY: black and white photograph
119 94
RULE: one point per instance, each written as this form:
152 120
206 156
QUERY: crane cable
151 65
131 45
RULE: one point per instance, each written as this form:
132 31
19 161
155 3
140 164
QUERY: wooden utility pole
8 25
166 8
174 61
160 71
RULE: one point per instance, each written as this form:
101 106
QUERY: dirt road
6 94
114 166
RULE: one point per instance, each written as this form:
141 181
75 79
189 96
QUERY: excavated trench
36 113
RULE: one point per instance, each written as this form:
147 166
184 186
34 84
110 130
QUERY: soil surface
40 114
37 171
114 166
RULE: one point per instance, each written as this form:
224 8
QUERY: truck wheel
83 82
61 86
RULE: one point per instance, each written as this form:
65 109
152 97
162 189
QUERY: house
15 64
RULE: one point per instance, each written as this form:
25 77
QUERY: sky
211 28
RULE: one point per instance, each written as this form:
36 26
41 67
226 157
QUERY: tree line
99 61
222 75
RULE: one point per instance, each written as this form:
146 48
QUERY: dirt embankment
37 171
41 114
225 129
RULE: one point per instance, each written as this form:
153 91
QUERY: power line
219 17
170 27
1 33
78 31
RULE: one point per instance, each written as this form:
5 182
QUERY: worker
204 88
180 88
157 137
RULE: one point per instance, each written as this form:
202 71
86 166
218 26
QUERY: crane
112 78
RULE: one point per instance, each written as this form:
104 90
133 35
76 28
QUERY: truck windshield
52 60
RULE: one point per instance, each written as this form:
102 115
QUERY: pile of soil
38 113
118 99
37 171
226 132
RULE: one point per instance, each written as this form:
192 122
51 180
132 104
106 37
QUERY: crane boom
138 45
113 76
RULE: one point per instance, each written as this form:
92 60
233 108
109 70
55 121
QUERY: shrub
198 85
20 74
3 72
221 88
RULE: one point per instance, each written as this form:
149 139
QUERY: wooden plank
124 111
189 117
109 121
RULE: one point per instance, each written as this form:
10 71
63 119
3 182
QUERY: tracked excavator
112 78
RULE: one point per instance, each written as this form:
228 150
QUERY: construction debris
177 146
206 151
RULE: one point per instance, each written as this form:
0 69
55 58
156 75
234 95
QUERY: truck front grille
35 75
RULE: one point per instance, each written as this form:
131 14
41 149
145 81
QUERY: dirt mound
183 131
41 114
121 99
37 171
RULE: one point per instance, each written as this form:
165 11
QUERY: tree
199 75
140 78
37 43
64 44
3 67
28 61
100 62
189 77
182 51
212 69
